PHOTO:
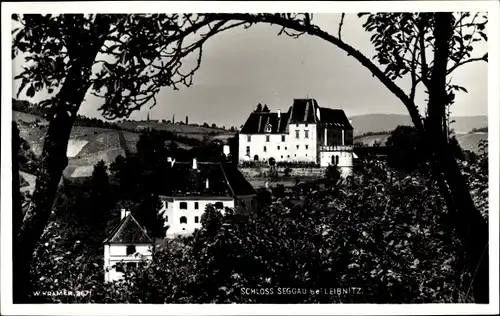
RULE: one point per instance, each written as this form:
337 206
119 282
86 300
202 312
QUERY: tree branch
340 25
470 60
316 31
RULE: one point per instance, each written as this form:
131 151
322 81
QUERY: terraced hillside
87 145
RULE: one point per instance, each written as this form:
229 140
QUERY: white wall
174 214
345 160
302 154
115 253
257 144
287 151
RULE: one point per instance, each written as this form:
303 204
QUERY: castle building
306 133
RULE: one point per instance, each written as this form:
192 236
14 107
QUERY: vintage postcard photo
277 158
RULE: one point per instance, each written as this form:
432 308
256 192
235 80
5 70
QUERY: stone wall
261 172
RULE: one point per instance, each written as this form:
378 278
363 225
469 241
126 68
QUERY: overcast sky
241 68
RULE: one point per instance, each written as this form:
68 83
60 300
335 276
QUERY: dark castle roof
257 122
334 117
129 231
224 179
302 111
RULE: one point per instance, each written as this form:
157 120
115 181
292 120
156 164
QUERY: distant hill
468 141
387 122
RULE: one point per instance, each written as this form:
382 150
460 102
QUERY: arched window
184 220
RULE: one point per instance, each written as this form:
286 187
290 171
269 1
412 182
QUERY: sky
243 67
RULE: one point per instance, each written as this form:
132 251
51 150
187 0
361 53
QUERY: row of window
183 220
283 138
184 205
265 149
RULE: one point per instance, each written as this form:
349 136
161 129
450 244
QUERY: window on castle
267 138
306 124
268 128
248 150
297 134
249 138
130 250
183 205
196 205
183 220
306 134
307 146
166 219
297 146
196 219
265 149
278 147
282 138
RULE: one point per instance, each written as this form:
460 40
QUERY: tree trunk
471 226
53 162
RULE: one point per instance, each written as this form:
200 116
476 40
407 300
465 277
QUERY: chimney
124 213
279 113
195 164
226 150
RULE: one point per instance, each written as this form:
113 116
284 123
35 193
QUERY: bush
287 171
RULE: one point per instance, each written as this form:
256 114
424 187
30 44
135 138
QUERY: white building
197 184
128 243
306 133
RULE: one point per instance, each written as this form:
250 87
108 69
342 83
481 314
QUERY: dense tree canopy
383 231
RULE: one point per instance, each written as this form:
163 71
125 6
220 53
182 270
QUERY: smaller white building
198 184
128 243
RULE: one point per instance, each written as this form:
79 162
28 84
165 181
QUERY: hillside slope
89 145
387 122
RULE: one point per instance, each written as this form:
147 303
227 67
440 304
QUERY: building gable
128 231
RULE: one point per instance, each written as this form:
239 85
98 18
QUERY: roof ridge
122 223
